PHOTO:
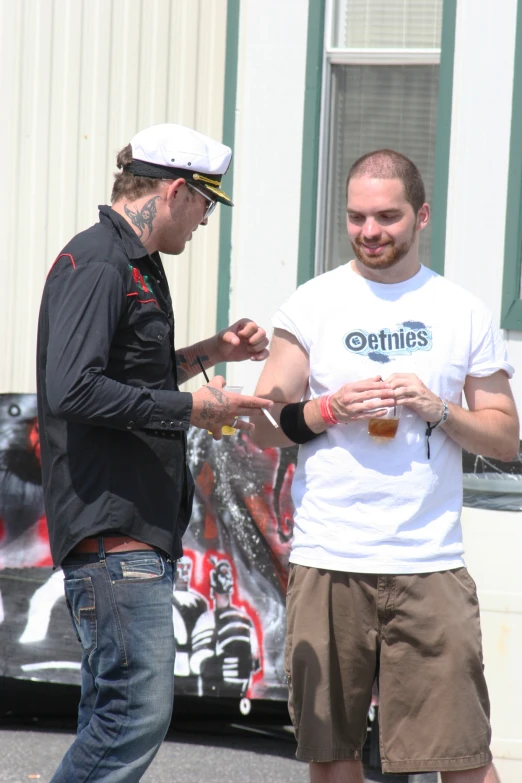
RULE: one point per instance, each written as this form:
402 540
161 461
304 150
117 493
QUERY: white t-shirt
371 507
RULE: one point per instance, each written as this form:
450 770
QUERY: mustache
368 241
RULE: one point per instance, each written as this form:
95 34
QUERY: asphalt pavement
206 743
208 740
32 753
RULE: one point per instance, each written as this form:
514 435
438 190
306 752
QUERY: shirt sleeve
85 304
488 351
295 316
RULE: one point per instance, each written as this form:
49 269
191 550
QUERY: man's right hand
361 399
212 408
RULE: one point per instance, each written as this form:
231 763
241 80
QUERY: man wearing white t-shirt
378 588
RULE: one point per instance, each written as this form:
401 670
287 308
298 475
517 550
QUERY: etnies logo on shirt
382 346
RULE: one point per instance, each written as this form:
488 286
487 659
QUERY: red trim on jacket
62 255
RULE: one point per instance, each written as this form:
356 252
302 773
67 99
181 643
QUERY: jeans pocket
81 602
142 567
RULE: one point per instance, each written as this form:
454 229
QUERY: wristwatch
445 413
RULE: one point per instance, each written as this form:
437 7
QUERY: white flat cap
170 151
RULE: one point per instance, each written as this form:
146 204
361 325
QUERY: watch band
445 412
444 416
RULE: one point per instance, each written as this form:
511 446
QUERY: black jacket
112 421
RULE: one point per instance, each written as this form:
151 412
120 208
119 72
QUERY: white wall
493 541
476 219
479 158
81 77
267 163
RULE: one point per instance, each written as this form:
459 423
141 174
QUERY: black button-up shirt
112 421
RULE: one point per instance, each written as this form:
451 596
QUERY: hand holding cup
231 429
215 407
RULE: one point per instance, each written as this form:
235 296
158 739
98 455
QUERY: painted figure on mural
187 605
225 648
243 508
368 366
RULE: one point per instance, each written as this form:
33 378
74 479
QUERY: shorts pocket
81 603
291 579
465 578
469 579
144 567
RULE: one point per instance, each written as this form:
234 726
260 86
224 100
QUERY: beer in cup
383 428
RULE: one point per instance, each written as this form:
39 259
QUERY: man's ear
423 216
174 189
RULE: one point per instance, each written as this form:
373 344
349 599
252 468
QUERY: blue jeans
121 608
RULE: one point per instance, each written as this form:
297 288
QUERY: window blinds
376 107
394 24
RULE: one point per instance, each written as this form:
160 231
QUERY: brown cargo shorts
419 636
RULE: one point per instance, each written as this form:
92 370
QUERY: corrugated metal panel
81 77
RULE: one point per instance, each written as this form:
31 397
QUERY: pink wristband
326 410
333 418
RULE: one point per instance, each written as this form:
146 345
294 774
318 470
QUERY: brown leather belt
110 544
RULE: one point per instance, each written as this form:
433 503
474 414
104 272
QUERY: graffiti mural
228 598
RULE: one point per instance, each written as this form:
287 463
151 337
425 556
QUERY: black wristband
293 423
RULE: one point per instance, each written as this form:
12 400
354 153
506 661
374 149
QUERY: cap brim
217 194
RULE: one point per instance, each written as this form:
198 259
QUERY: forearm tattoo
187 364
182 374
143 218
218 411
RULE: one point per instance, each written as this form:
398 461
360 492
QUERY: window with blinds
381 87
382 24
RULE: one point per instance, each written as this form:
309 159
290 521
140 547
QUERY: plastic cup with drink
226 429
383 428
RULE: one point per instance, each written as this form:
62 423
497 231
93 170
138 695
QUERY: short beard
391 256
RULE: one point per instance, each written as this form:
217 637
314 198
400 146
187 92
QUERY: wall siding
84 76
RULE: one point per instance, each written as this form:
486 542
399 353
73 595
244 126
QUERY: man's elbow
508 450
62 405
65 402
509 456
267 437
260 437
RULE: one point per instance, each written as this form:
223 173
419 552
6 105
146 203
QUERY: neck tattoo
143 218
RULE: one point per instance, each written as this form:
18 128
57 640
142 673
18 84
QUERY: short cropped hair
127 185
388 164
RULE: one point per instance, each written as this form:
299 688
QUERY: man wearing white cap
113 423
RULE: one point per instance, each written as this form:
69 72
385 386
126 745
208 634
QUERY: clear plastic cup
384 428
225 429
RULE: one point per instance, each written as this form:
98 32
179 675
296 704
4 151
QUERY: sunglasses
210 201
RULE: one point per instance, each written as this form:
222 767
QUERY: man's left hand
410 391
243 340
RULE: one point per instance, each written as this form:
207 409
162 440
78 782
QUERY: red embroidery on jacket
139 279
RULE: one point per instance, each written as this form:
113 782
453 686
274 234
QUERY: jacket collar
133 245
